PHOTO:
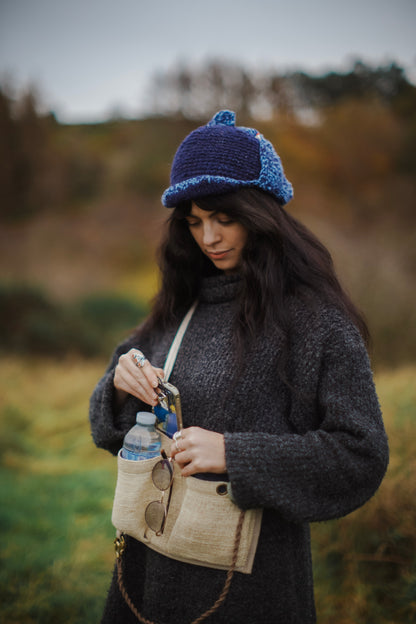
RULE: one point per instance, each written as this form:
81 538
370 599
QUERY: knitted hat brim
205 185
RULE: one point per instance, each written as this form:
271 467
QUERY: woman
275 381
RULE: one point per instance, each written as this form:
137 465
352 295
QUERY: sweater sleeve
330 469
108 426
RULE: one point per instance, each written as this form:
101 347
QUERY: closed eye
223 218
192 223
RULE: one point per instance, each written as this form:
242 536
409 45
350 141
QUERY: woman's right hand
140 381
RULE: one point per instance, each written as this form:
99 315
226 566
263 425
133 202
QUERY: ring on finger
177 435
178 448
139 359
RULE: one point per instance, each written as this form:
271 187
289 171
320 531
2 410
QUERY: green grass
56 494
56 560
365 564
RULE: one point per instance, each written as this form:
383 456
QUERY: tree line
47 165
40 169
193 91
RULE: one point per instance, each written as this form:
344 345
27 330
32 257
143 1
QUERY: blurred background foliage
80 220
80 208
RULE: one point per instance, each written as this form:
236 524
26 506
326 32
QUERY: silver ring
139 359
177 435
177 446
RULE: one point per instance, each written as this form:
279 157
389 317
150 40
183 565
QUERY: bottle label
126 454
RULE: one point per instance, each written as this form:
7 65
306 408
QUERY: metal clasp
119 545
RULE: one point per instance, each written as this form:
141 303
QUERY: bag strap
120 546
174 347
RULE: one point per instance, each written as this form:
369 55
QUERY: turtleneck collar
219 288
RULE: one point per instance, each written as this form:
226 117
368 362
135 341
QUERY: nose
211 233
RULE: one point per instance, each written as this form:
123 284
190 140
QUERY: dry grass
365 564
57 490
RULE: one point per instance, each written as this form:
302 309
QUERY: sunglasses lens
155 515
162 474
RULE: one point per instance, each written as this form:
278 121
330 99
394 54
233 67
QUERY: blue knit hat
222 157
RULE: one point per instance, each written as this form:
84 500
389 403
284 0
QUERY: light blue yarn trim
272 177
223 118
272 180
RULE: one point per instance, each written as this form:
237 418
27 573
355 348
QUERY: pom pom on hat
221 157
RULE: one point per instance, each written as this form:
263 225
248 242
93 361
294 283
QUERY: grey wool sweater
308 450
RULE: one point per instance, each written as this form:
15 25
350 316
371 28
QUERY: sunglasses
156 511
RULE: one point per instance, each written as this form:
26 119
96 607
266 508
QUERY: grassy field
56 493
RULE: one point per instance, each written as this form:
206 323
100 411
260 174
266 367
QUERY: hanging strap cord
120 548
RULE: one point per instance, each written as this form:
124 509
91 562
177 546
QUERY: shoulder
314 311
327 355
318 326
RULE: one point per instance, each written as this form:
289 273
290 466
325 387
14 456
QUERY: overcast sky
89 57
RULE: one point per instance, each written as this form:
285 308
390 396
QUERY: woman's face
220 238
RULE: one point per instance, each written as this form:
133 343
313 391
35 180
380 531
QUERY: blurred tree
40 170
279 96
194 92
217 83
247 94
8 139
184 87
363 141
382 83
24 135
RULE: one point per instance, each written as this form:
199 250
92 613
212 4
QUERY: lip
218 255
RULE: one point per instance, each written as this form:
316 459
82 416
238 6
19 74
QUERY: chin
230 269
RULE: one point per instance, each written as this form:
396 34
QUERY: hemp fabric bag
203 524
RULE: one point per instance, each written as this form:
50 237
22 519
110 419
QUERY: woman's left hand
199 450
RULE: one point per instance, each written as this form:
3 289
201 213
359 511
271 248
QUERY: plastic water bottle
142 441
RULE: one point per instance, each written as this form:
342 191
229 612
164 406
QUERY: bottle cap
145 418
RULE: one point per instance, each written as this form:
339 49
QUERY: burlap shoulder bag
203 525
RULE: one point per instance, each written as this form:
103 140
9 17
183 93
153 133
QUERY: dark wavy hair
281 259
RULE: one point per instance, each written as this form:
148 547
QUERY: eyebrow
212 213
